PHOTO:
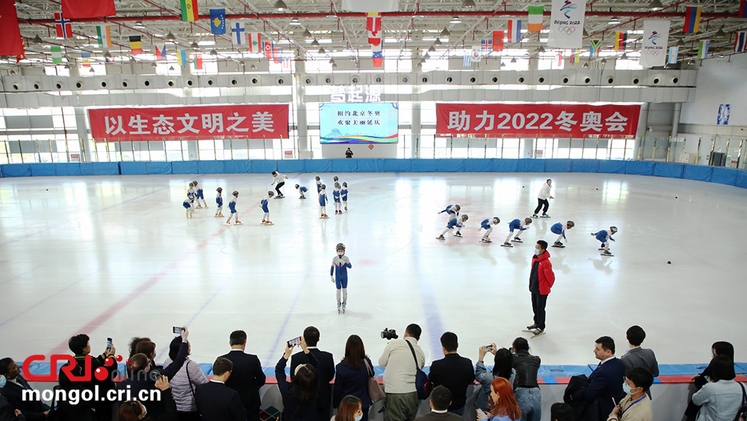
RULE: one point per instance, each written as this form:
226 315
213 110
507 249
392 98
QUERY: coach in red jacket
541 280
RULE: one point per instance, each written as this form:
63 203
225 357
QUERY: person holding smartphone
503 406
502 362
300 401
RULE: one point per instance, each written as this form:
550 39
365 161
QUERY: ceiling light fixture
426 56
432 49
624 56
315 43
513 59
194 46
586 33
280 5
656 5
306 33
720 32
107 55
603 61
171 68
170 37
213 52
438 42
680 43
253 66
445 33
586 65
91 71
321 51
295 21
468 3
37 39
541 49
138 25
455 20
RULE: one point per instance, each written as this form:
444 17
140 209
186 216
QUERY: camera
389 334
489 347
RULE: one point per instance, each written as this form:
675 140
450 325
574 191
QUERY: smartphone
481 414
489 347
293 342
178 330
109 343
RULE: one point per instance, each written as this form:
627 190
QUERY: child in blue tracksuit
323 201
265 204
344 195
559 229
219 201
455 222
188 206
199 195
605 237
232 207
339 274
318 185
485 224
336 198
452 211
302 189
517 226
191 194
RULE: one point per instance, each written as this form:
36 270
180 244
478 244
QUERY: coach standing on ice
541 280
542 201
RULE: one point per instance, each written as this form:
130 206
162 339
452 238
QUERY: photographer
300 396
501 368
401 402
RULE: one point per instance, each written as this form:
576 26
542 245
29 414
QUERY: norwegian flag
373 26
62 26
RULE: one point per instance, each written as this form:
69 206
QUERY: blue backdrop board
344 165
184 167
505 165
290 166
263 166
238 167
742 179
42 170
639 168
397 165
67 168
697 172
16 170
531 165
425 165
133 168
319 165
448 165
370 165
584 165
211 167
668 169
557 165
477 165
726 176
614 167
159 167
104 168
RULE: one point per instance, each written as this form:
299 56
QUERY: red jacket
544 272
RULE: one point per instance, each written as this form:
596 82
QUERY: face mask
359 417
537 252
627 389
3 380
341 254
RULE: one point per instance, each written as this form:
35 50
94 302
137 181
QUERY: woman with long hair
699 380
352 375
527 390
349 409
300 396
134 410
503 406
502 367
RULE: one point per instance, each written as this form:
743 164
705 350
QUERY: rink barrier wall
720 175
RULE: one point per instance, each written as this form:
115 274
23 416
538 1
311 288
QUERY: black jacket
32 410
526 366
456 374
246 378
326 371
85 410
291 410
7 412
350 381
217 402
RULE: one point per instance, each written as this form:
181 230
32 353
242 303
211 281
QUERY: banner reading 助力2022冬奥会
543 120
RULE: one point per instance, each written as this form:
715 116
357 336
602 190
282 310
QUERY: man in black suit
440 402
247 376
33 410
216 401
326 368
454 372
605 382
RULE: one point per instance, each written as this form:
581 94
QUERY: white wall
719 82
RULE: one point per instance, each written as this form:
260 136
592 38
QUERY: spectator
605 382
528 394
635 406
502 362
7 412
453 371
349 409
185 381
352 375
134 410
440 402
637 356
133 344
215 400
300 401
560 411
13 389
99 410
402 357
718 348
147 347
325 370
247 376
348 153
541 280
721 398
503 405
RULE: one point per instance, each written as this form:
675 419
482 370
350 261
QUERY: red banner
10 35
543 120
190 123
76 9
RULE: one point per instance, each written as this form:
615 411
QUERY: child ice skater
336 198
191 194
323 201
605 237
339 274
451 211
219 201
199 195
265 204
234 212
318 185
517 226
486 225
302 189
559 229
344 195
456 222
279 181
188 206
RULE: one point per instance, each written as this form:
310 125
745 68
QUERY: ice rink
115 256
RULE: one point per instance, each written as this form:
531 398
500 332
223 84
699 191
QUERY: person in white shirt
402 357
542 202
279 181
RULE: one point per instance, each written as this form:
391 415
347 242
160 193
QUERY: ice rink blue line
165 350
288 315
434 324
18 276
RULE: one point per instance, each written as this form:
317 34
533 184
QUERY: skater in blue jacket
188 206
232 207
454 222
265 204
339 274
323 201
302 189
486 225
344 195
219 201
605 237
517 226
559 229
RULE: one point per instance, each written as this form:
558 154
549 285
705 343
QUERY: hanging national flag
198 62
86 58
575 55
743 9
275 54
56 54
373 26
703 48
620 39
237 32
255 42
104 35
10 34
467 59
377 51
76 9
189 10
514 30
560 59
673 53
498 40
740 45
535 18
692 20
62 26
268 50
486 47
161 54
135 45
21 56
476 55
181 57
218 21
594 48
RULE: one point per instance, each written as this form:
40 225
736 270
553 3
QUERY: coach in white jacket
542 202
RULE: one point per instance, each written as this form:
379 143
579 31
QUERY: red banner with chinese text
543 120
189 123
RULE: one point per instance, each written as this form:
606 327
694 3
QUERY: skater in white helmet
605 237
339 275
517 226
454 222
487 225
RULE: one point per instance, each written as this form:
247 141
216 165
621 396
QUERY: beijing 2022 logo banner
567 24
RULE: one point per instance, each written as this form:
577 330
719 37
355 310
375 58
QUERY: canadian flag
373 26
